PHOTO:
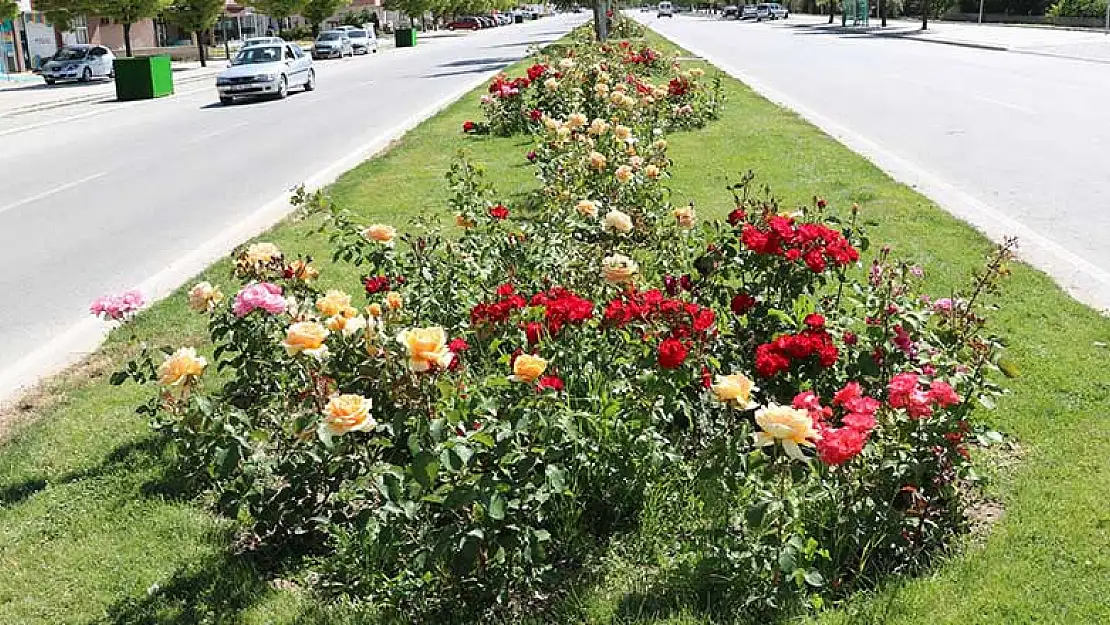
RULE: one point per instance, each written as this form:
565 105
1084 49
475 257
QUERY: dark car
465 23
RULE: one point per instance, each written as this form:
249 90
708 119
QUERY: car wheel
86 74
49 81
310 84
283 88
226 100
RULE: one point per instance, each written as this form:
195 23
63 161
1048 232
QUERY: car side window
296 51
97 52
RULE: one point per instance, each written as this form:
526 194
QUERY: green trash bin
143 77
405 37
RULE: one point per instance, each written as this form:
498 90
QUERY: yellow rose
380 233
601 89
550 123
566 63
348 325
551 85
586 208
527 368
685 216
624 173
619 268
789 426
603 76
624 133
462 222
660 144
652 171
628 102
303 271
617 221
427 347
620 87
204 297
598 127
393 300
735 389
307 337
616 97
181 367
597 160
261 253
374 310
333 303
647 101
347 413
659 93
576 121
697 72
563 133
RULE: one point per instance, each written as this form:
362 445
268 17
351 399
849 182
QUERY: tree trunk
601 20
882 11
200 49
832 10
127 39
924 14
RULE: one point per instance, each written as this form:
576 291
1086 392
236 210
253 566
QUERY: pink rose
261 295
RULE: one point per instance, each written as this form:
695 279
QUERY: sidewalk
1085 45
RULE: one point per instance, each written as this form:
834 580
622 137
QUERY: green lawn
92 530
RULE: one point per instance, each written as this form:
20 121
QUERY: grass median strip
95 530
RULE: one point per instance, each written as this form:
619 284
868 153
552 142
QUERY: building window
80 27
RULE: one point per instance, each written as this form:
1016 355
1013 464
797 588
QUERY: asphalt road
1015 143
98 198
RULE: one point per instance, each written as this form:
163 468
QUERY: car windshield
258 54
70 54
356 33
259 42
329 37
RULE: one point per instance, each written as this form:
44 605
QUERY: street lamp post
980 11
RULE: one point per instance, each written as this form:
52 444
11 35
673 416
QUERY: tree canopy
8 10
127 12
316 11
277 9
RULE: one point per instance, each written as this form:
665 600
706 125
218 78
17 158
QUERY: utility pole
980 11
882 12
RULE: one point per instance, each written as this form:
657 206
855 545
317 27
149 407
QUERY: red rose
839 445
672 353
376 284
742 303
531 156
550 382
736 217
850 338
458 345
940 392
505 290
469 126
498 212
535 115
769 362
704 319
815 321
534 331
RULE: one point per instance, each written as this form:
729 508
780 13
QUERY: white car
771 11
363 40
79 62
666 9
267 70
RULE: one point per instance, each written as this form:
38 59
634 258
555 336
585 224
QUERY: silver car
332 44
79 62
363 41
266 71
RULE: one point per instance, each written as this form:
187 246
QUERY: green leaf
556 477
814 578
497 507
425 467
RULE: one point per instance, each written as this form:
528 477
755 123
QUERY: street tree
9 10
279 10
126 13
411 9
316 11
61 13
195 16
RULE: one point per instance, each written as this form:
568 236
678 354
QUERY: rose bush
493 402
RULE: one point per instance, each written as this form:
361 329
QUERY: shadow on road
500 60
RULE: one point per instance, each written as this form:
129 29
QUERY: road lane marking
48 193
215 133
973 96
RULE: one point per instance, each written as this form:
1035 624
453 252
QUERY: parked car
261 41
363 41
266 71
665 9
730 11
465 23
778 12
749 12
332 44
79 62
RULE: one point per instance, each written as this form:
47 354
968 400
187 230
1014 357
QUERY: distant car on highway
665 9
749 12
363 41
771 11
261 41
332 44
465 23
271 70
79 62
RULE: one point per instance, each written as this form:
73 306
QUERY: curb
1078 277
76 342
